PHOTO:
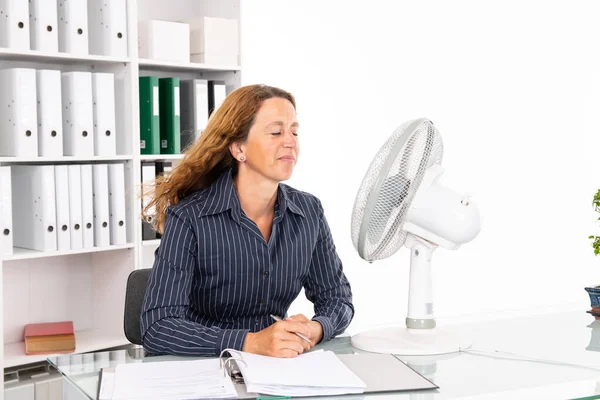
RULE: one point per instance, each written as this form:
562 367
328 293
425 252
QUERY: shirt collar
221 196
286 202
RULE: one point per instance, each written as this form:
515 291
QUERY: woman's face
272 146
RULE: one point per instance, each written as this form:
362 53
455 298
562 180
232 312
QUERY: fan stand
420 335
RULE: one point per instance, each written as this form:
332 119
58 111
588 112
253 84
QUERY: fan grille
389 186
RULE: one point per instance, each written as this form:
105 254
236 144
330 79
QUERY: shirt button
262 301
266 273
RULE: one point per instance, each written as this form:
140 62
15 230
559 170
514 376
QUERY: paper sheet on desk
107 385
169 380
317 373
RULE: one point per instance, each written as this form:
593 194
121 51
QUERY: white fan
401 202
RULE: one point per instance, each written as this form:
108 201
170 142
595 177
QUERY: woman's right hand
279 340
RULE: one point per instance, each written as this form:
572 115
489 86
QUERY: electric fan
401 202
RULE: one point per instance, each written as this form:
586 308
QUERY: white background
513 87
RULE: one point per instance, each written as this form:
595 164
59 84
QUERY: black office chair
134 298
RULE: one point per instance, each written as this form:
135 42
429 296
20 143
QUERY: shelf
159 65
14 353
160 157
25 254
39 56
61 159
153 242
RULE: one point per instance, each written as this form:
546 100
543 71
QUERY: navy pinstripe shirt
215 278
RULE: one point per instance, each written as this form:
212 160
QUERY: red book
49 328
49 338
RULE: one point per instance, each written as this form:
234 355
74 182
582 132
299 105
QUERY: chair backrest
134 298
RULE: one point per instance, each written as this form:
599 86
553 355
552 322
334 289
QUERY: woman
238 246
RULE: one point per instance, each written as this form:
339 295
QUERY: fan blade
392 194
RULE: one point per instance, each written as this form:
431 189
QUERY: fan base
410 342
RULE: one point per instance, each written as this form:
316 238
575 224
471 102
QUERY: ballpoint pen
276 318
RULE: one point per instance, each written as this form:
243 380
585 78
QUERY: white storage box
164 40
215 41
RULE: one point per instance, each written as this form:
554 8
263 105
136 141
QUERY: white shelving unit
182 10
152 242
62 160
87 286
160 157
57 58
169 66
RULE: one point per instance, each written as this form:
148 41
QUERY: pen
276 318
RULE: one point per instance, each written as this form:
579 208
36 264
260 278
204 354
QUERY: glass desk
535 356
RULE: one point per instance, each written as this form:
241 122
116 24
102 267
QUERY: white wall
513 86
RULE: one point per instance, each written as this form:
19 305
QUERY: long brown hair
209 156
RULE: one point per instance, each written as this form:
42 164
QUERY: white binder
194 110
101 208
103 92
33 190
6 228
78 114
63 228
116 183
49 113
73 32
87 205
108 27
14 24
18 115
43 21
75 216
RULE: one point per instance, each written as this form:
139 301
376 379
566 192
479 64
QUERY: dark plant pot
594 293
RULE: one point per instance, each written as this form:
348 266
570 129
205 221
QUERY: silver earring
242 158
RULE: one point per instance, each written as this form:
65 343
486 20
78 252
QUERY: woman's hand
315 327
279 340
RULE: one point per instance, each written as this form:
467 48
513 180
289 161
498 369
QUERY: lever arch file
78 114
75 217
101 208
87 205
148 177
14 24
194 110
170 131
316 373
73 32
49 113
63 224
116 187
103 93
33 190
6 228
108 27
43 20
149 115
18 119
217 91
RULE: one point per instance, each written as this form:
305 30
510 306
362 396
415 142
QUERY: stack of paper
318 373
170 380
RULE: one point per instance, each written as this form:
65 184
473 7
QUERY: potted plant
594 292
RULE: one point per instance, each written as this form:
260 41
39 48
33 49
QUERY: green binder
170 121
149 115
